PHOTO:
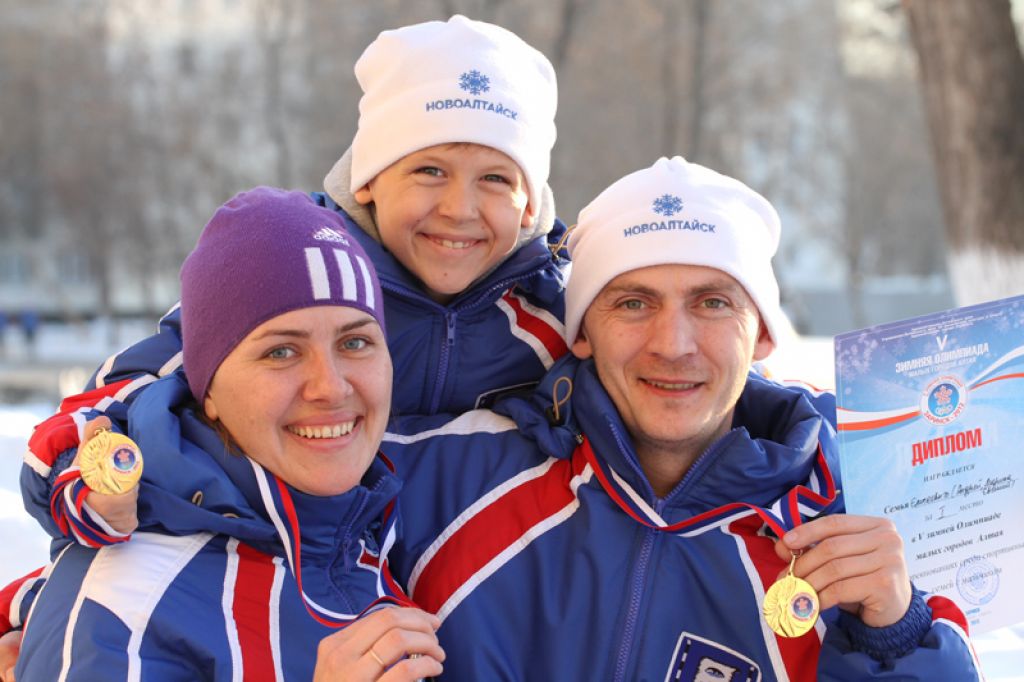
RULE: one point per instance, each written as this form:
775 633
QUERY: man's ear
764 345
581 347
210 408
364 195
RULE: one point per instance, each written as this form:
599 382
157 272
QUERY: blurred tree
700 20
972 76
22 48
276 21
567 28
891 208
89 161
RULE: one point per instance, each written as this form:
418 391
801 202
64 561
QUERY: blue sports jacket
208 587
548 556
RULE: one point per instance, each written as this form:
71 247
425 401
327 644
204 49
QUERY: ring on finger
377 658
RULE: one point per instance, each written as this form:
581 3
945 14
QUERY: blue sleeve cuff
60 465
892 641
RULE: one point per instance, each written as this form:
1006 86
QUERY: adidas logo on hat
326 234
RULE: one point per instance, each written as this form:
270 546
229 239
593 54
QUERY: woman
274 505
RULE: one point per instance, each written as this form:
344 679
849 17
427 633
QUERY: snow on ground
60 362
23 546
78 350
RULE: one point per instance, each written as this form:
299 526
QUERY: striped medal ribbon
278 503
790 605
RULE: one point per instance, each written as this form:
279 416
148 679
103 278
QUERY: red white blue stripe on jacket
279 506
111 612
124 589
501 524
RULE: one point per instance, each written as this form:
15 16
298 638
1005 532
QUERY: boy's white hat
454 81
676 212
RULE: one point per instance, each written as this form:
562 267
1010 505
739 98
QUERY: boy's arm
53 444
155 356
10 646
15 601
16 598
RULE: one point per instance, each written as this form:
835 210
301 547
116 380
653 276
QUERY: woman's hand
391 644
10 647
119 511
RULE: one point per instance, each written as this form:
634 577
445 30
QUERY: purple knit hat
264 253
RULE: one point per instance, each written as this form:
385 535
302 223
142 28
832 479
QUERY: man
623 523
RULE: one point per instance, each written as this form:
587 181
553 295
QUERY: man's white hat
676 212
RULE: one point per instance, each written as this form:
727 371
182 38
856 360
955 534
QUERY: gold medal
790 605
111 463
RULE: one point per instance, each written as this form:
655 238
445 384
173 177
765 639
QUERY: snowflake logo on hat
667 205
474 82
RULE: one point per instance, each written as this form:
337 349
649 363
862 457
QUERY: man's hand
10 647
855 562
119 511
392 644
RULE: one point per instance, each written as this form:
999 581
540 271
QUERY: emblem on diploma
111 463
790 605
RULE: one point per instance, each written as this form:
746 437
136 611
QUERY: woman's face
307 396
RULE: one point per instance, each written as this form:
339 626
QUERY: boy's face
449 213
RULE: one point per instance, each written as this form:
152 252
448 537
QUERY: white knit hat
455 81
675 212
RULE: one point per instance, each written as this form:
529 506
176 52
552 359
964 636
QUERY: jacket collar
771 447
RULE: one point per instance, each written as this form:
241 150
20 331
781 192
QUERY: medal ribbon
278 503
784 514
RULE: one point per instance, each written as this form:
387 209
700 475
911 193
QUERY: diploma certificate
931 433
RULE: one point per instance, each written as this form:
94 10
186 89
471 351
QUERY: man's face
449 213
672 345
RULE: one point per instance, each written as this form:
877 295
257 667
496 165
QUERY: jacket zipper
449 342
639 576
442 365
450 316
636 596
